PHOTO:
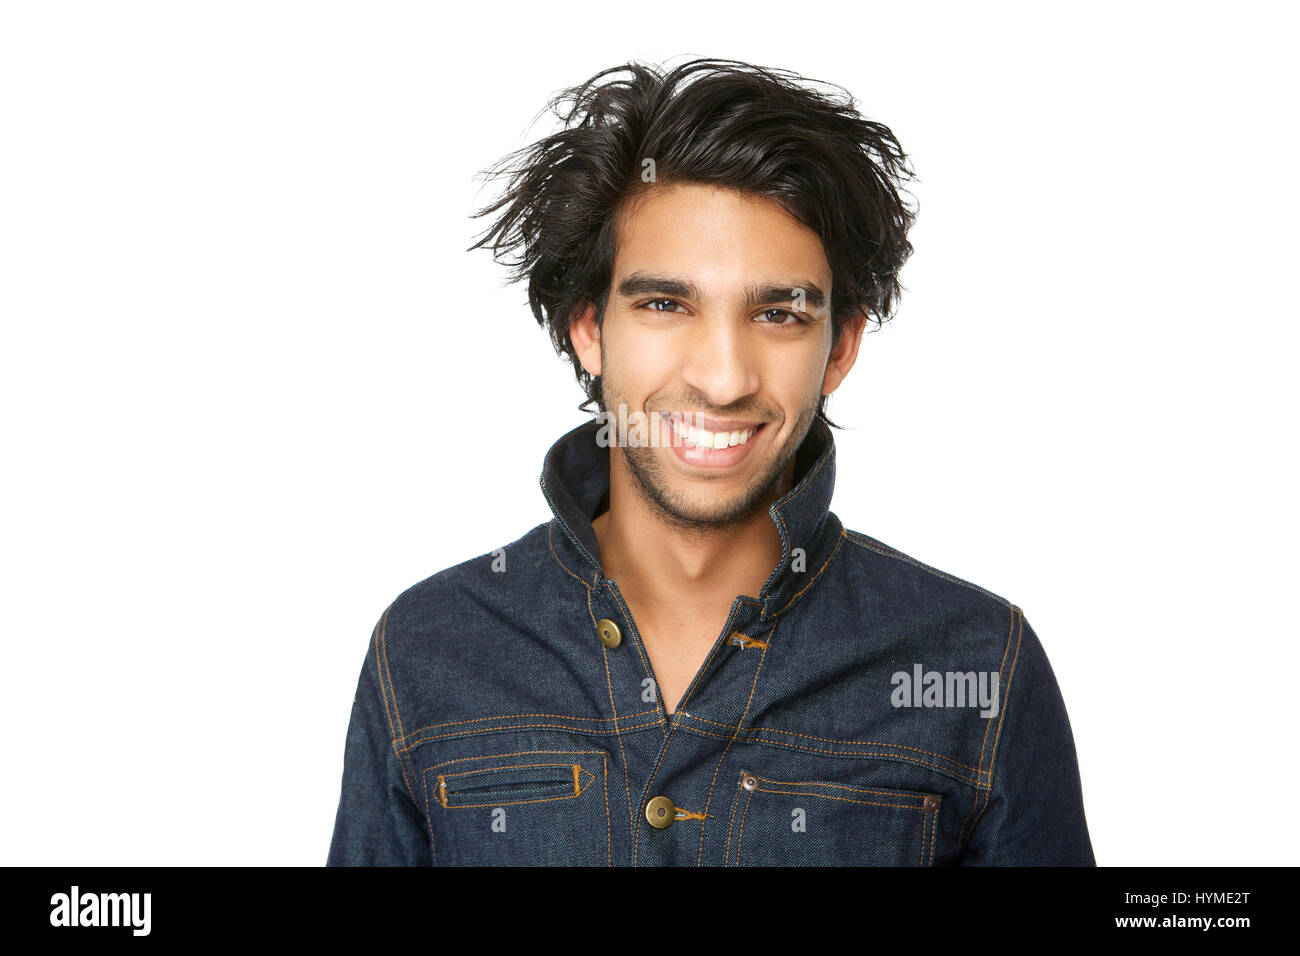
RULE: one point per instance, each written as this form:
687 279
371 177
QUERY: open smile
719 447
703 438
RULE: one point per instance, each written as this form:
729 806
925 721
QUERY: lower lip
709 457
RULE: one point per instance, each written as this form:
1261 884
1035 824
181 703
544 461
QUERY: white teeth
708 439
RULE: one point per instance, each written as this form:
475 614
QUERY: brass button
931 802
659 812
609 633
748 782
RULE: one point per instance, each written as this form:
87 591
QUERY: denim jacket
863 709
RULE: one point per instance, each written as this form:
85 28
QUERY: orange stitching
828 796
925 818
680 814
832 740
924 821
745 641
377 638
374 640
1006 696
516 753
814 578
393 690
740 834
982 798
474 720
965 778
934 829
1001 666
513 766
1005 700
718 766
889 552
932 816
492 730
961 838
575 779
509 803
512 803
726 853
557 557
429 820
842 786
609 685
961 834
604 757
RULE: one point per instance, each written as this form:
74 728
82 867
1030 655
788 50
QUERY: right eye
653 302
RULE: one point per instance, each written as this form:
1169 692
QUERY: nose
720 362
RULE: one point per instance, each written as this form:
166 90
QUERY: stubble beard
656 490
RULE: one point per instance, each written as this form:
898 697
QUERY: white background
254 386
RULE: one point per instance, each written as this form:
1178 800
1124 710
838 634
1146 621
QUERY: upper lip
714 425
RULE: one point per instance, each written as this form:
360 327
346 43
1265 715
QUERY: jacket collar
575 482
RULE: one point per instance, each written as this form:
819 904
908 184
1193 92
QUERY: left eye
781 312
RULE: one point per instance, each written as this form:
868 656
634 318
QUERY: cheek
796 376
648 358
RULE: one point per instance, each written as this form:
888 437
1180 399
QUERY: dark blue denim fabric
492 725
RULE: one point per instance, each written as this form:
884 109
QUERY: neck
657 558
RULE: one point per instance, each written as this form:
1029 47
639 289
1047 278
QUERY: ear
844 354
585 336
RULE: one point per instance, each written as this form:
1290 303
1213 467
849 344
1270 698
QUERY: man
693 662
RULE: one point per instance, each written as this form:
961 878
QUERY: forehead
714 234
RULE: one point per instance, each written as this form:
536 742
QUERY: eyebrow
643 283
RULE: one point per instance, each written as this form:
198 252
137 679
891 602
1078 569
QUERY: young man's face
704 320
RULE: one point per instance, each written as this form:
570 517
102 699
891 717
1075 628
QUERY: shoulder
905 595
457 598
462 643
871 553
923 606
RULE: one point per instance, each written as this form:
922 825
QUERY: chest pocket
814 823
538 808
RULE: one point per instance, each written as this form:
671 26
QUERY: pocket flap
513 783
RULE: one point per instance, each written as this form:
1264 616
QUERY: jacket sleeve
378 823
1033 815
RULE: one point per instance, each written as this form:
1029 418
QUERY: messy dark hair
709 122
